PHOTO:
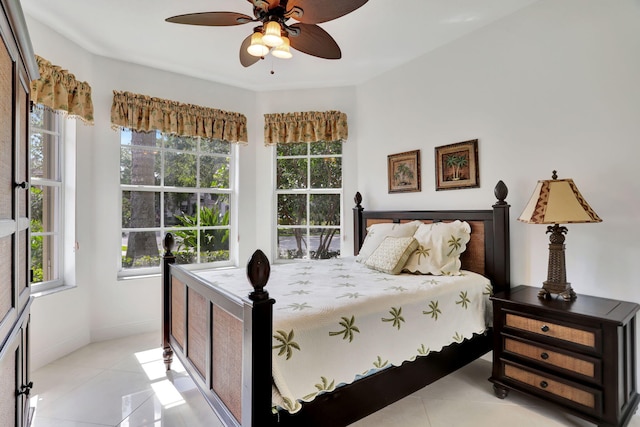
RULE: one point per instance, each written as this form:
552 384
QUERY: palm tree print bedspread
337 320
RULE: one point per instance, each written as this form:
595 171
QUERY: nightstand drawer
588 399
553 330
574 364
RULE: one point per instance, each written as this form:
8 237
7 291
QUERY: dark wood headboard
487 252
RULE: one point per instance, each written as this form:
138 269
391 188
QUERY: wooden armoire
17 68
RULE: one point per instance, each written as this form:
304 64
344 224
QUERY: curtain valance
310 126
144 113
58 90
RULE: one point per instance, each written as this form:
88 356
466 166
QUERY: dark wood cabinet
579 355
17 69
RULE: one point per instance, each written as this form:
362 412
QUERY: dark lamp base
556 282
562 289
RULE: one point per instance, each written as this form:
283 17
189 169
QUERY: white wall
554 86
61 322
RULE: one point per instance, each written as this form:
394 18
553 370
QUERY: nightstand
580 354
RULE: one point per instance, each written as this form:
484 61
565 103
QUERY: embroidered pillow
439 247
376 233
392 254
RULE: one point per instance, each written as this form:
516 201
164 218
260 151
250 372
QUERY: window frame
308 192
54 126
230 192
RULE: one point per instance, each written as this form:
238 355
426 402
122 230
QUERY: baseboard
124 330
41 356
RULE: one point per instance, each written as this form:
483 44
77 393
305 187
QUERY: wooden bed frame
225 341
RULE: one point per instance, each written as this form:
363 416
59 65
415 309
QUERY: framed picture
457 166
403 171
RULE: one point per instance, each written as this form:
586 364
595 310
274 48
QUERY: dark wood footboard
225 341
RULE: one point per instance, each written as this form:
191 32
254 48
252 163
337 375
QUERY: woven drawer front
560 360
557 388
553 330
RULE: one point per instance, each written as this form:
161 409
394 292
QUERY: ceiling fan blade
246 59
317 11
314 41
212 19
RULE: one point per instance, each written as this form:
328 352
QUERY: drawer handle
544 356
544 328
544 384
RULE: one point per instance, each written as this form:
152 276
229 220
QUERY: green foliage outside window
308 186
168 182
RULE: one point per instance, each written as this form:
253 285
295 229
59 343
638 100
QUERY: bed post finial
258 271
358 199
168 243
501 191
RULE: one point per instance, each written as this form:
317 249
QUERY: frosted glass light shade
257 46
282 51
272 37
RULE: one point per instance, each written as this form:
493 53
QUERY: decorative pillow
439 247
392 254
376 233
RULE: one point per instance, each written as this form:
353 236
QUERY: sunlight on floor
153 365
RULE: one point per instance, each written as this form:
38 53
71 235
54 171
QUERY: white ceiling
375 38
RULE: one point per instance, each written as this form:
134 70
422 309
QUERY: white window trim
232 192
66 244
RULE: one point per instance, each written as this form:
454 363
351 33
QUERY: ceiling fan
274 34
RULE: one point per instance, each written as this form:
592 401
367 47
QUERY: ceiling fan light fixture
257 46
282 51
272 34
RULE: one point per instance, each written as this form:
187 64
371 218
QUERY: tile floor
123 383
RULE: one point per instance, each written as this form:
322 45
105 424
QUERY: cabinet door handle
23 184
544 356
25 389
544 328
544 384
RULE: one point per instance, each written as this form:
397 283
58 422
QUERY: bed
227 341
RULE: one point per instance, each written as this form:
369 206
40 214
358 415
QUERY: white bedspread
335 320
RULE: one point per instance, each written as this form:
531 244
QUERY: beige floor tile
408 412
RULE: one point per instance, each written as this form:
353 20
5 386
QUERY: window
47 197
181 185
309 200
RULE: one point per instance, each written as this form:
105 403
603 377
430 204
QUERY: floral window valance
143 113
310 126
59 91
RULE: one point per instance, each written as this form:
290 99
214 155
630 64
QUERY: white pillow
439 247
392 254
376 233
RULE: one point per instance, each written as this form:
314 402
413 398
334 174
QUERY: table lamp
557 201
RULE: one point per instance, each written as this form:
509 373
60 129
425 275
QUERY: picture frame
403 172
457 166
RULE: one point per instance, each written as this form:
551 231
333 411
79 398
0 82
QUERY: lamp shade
257 46
557 201
272 34
282 51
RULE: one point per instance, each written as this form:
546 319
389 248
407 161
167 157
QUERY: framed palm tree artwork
457 166
404 171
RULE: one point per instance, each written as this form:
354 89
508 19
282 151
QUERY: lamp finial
555 175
